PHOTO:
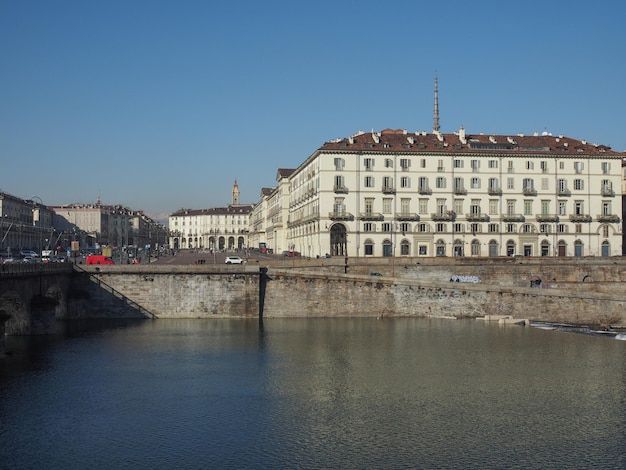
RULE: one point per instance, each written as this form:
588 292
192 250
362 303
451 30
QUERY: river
310 394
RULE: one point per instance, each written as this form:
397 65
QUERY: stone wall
155 294
579 292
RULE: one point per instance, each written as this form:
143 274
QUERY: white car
233 260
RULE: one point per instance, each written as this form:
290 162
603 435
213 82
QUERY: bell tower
235 201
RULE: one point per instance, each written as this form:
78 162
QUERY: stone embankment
578 291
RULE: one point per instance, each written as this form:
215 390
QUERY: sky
161 105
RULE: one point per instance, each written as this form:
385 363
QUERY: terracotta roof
229 210
400 141
284 173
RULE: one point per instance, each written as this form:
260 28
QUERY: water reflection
319 393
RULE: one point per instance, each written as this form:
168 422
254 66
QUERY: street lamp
38 218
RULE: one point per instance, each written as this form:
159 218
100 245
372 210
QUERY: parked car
30 253
233 260
28 260
293 254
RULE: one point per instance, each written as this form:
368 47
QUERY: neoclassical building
220 228
399 193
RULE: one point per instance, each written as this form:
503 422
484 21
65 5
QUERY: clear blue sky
159 105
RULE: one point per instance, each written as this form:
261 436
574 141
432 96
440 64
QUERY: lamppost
38 218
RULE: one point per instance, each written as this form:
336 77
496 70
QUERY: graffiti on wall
470 279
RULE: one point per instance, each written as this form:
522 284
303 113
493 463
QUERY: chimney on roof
462 136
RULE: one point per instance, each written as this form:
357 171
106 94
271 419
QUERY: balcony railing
388 190
340 189
547 218
443 217
405 216
424 190
371 216
460 191
477 217
340 216
608 218
494 191
564 192
513 218
529 192
608 192
580 218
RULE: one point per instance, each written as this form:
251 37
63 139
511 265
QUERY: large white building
395 193
220 228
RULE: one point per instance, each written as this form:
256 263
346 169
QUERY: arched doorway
405 248
176 243
493 248
606 248
338 240
510 248
475 248
440 248
387 247
458 248
578 248
562 248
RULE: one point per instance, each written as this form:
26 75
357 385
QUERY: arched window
475 247
405 248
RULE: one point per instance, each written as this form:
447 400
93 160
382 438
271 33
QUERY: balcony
529 192
494 191
388 190
608 218
405 216
477 217
547 218
340 189
580 218
513 218
443 217
375 216
424 190
563 192
460 191
608 192
343 215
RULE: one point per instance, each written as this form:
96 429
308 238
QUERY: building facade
394 193
24 224
95 226
221 229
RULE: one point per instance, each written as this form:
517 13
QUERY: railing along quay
32 269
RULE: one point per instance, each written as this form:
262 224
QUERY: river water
312 394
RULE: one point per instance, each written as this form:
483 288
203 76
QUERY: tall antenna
436 111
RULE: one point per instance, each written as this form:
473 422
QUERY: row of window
475 209
404 228
458 249
606 186
405 164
